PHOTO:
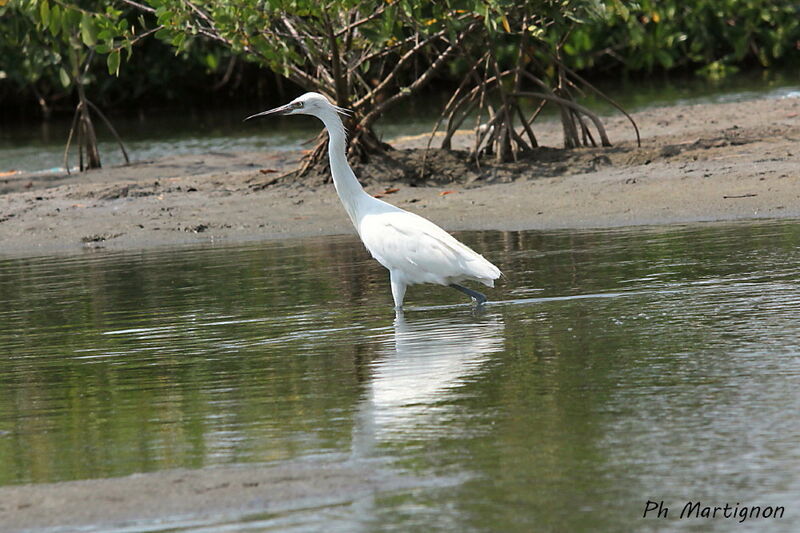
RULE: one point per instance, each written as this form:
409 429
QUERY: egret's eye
298 105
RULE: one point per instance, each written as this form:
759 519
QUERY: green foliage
26 53
712 37
55 40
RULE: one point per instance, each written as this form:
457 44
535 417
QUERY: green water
611 367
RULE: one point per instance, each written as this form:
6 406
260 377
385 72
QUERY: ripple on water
608 365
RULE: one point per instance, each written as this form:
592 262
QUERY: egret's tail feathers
488 278
486 272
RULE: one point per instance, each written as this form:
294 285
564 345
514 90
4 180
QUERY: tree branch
573 106
405 58
139 6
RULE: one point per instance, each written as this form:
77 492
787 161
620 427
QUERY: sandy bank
184 498
706 162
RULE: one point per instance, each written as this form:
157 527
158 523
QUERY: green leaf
65 21
113 62
64 77
664 58
72 17
621 9
88 30
177 41
44 13
55 20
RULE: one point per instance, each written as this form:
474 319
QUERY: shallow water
39 146
611 367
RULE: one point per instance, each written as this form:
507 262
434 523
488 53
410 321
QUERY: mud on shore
706 162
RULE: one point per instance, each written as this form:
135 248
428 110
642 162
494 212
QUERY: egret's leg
398 290
479 298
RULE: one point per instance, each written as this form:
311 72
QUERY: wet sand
697 163
185 498
706 162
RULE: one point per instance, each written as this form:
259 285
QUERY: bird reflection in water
423 368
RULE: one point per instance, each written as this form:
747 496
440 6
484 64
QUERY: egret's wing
407 242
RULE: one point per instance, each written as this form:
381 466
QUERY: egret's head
308 104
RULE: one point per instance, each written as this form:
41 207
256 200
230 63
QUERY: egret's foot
477 311
479 298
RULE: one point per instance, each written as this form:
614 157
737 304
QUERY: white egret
413 249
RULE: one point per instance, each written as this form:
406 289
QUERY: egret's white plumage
413 249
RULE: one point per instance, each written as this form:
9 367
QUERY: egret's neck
347 187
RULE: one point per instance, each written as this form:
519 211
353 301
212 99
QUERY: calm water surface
611 368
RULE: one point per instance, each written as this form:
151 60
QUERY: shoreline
697 163
182 498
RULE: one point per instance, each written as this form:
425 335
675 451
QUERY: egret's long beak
282 110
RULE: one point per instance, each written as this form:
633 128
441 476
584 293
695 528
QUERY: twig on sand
748 195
